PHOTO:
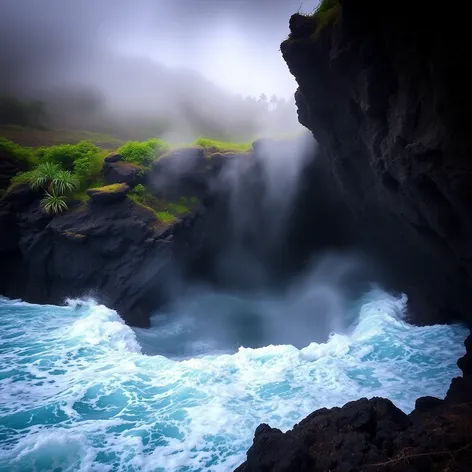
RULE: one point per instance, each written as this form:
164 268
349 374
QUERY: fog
252 292
179 68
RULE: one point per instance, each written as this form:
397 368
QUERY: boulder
185 159
114 157
123 172
108 194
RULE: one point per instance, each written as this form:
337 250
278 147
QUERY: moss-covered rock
108 194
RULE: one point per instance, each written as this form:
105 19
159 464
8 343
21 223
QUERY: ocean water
78 393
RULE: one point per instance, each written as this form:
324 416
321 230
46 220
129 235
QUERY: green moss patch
165 211
211 146
110 188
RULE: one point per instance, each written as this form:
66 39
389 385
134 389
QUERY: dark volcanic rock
114 157
373 434
387 96
114 252
385 89
108 194
181 172
9 167
123 172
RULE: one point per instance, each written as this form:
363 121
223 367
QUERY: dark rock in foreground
366 435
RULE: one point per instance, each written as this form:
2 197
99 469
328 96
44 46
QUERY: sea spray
77 393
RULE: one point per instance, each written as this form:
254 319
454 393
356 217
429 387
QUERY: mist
178 70
172 69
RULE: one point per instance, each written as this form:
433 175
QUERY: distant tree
274 100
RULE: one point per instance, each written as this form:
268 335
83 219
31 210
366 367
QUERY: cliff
385 89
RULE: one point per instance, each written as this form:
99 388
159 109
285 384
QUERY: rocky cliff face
385 90
116 251
110 250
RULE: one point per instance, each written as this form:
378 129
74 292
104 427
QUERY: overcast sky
234 43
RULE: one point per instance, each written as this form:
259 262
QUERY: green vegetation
143 153
166 212
18 152
53 203
66 155
109 188
65 182
213 146
43 175
328 12
67 171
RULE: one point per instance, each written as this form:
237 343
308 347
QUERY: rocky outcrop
114 252
117 172
385 89
367 435
108 194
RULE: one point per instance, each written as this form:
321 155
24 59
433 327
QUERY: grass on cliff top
326 13
212 146
109 188
21 153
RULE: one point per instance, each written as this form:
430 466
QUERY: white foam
74 387
105 325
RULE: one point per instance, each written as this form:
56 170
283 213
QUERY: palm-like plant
64 182
53 203
43 175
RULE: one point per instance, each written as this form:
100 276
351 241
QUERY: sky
233 43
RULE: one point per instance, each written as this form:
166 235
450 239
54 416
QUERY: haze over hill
188 65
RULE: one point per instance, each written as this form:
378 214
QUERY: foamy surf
77 393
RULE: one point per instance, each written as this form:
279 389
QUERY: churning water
78 393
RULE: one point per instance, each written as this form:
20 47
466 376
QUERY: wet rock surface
386 94
366 435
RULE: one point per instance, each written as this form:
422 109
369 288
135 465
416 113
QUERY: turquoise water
76 392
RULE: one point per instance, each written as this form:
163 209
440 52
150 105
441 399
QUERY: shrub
88 166
43 175
67 154
53 203
64 182
143 153
140 190
18 152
